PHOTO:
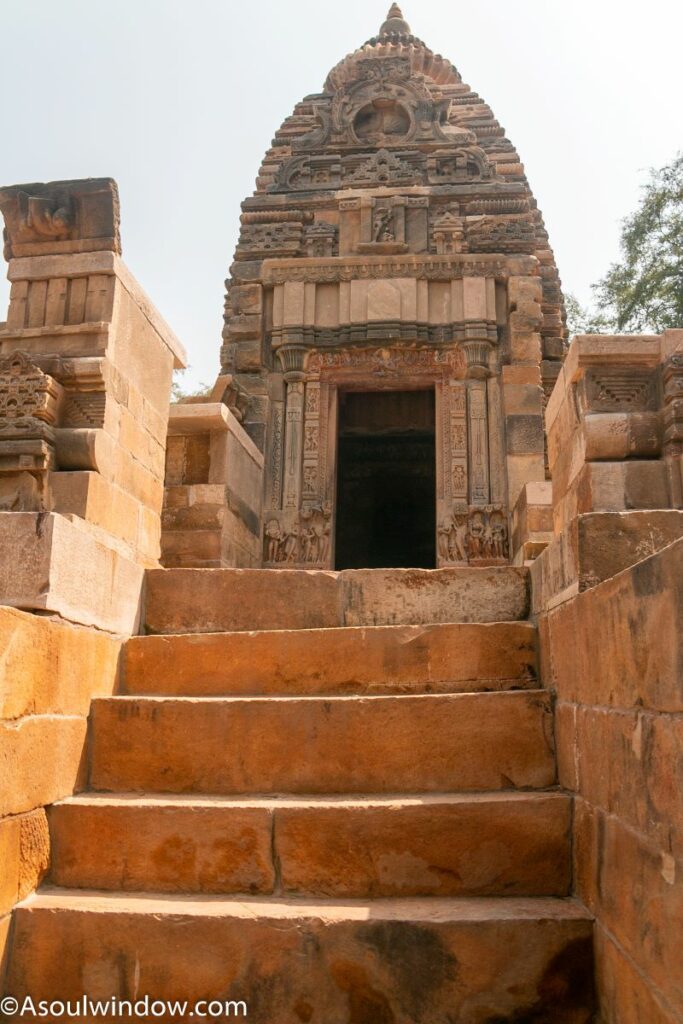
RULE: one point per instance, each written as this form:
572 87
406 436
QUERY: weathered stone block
384 659
310 958
173 845
626 995
40 574
595 547
436 846
44 759
524 435
259 599
352 745
643 914
52 667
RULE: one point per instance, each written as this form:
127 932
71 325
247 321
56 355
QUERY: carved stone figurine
273 538
383 225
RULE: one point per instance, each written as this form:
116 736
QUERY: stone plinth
212 501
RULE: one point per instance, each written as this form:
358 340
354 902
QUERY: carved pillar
312 483
478 442
293 360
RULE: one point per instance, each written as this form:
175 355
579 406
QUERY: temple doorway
386 480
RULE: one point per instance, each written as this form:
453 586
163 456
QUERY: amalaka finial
395 23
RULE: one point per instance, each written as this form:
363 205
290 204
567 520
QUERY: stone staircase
331 795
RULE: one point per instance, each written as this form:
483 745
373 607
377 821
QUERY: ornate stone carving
298 538
383 225
609 391
387 361
283 239
383 103
84 409
474 535
320 239
304 173
672 379
501 234
422 268
60 216
382 168
26 395
448 233
468 163
29 404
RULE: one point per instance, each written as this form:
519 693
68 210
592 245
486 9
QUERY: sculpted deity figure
274 537
444 537
383 225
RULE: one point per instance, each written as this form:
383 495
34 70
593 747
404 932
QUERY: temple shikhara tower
349 692
392 314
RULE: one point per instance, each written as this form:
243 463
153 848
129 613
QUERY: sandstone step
378 659
423 961
426 743
232 600
507 844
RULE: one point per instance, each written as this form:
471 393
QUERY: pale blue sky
178 101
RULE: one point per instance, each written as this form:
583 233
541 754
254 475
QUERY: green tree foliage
643 292
581 320
178 393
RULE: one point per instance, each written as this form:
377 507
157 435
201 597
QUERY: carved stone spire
395 23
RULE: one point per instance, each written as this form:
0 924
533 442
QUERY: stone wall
49 672
613 657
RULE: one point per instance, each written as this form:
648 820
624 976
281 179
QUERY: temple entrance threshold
386 480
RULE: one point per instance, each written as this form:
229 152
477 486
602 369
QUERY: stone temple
350 692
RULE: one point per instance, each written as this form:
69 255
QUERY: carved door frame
471 522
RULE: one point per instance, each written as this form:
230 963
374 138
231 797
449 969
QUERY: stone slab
507 844
503 844
597 546
52 667
162 845
291 961
625 635
225 600
428 743
24 855
43 759
377 659
384 597
52 564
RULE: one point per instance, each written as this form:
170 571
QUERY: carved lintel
424 268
